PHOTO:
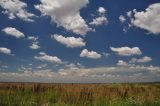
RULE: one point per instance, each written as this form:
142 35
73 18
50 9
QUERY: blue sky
79 41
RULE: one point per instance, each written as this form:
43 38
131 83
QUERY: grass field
30 94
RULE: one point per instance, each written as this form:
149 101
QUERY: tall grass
30 94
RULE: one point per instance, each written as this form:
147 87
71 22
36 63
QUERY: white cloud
148 19
48 58
87 75
42 53
65 13
112 72
34 46
16 8
71 42
5 51
74 66
99 21
129 13
34 42
123 63
105 54
13 32
122 19
101 10
127 51
90 54
3 66
41 66
32 38
125 29
141 60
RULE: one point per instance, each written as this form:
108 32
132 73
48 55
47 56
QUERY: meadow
39 94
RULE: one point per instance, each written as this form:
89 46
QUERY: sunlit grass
19 94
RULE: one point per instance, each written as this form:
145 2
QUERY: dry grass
32 94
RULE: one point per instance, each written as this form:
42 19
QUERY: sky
80 41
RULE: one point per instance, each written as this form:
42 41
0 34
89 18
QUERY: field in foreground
32 94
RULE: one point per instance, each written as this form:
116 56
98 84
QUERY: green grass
19 94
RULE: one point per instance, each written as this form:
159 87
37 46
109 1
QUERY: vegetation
30 94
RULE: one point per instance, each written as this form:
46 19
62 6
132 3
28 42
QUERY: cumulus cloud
101 10
42 53
126 51
148 19
145 59
123 63
99 21
65 13
32 38
87 75
90 54
34 42
34 46
102 19
129 13
71 42
105 54
5 51
111 72
13 32
16 8
41 66
73 66
48 58
122 19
